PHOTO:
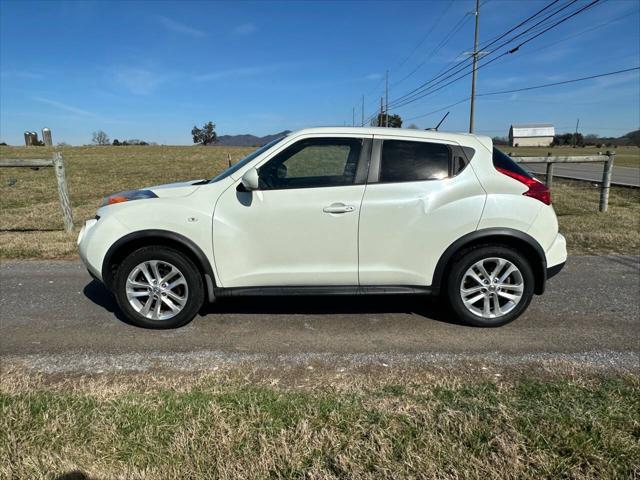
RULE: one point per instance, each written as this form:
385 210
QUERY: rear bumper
553 271
556 256
557 252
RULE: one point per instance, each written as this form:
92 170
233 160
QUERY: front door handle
338 208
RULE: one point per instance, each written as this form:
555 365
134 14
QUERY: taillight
537 189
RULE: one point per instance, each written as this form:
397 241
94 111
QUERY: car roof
460 137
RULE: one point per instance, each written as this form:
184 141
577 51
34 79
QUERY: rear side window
504 162
407 161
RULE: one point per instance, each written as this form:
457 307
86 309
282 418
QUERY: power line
494 39
418 95
520 24
501 92
564 82
456 28
401 102
581 32
424 38
433 26
446 39
439 109
425 86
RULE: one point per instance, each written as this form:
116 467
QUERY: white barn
534 135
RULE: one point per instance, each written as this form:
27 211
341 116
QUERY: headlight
127 196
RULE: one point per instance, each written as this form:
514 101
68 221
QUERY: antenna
439 123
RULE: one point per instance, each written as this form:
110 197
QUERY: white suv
329 211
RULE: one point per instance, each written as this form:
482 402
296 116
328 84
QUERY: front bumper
83 246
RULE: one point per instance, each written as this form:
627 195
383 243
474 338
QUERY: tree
592 139
100 138
381 121
569 139
205 135
116 142
413 126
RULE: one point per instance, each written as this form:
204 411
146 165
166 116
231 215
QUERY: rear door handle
338 208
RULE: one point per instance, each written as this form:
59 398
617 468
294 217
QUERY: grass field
625 156
373 424
30 220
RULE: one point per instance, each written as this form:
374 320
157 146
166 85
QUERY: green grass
400 426
625 156
31 223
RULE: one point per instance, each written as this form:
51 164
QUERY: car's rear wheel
489 286
158 287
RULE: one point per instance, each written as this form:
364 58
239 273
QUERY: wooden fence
606 159
57 162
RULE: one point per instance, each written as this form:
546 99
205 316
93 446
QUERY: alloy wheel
157 290
492 287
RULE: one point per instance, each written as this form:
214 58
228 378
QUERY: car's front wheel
490 286
158 287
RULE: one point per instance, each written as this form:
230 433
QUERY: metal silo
46 137
30 138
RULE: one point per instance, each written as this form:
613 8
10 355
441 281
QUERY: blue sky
151 70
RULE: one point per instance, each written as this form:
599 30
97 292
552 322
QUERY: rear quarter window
504 162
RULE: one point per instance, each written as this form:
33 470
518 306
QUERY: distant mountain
248 140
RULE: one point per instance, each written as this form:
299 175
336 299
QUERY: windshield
245 160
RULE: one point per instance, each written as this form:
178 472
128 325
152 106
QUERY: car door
420 198
300 228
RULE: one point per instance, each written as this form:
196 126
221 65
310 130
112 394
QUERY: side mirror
250 180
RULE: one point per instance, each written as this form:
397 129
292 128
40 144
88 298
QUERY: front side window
320 162
408 161
231 170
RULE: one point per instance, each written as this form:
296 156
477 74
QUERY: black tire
192 276
468 258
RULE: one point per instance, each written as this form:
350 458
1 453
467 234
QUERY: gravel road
53 309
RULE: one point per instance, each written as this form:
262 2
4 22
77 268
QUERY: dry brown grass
31 224
589 232
370 424
31 203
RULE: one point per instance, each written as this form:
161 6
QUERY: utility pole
353 116
362 122
386 99
575 135
475 67
380 124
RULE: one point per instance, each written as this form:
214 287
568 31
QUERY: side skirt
321 290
